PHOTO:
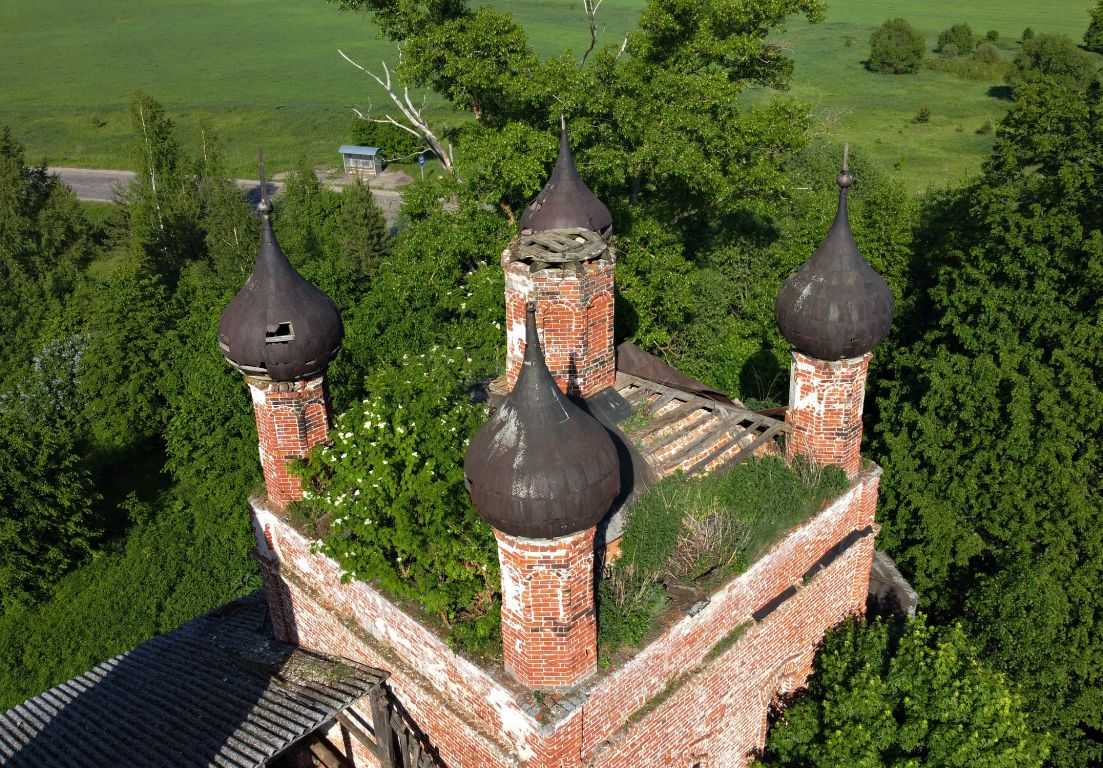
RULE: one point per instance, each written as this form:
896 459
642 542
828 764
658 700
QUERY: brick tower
833 310
563 261
542 473
281 332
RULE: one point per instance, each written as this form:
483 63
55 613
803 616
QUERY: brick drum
574 315
698 693
292 417
549 633
825 410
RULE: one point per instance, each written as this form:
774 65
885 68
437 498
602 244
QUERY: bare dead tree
591 7
415 121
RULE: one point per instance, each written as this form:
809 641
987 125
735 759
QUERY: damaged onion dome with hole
541 467
278 326
835 306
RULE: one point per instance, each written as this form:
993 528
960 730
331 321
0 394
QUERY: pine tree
361 232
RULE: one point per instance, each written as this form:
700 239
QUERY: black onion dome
278 326
541 467
835 306
565 201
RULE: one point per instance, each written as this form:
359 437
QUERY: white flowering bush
387 495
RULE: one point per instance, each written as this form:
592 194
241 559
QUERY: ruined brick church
326 671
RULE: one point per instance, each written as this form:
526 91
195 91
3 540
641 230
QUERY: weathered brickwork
825 410
292 417
549 632
574 315
692 695
469 716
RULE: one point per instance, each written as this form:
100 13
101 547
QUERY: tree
896 48
229 227
1093 37
361 232
994 518
1053 56
902 698
960 36
121 323
211 435
304 215
45 241
161 202
47 521
394 142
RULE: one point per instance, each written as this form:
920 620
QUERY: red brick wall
716 713
549 633
292 417
825 410
677 701
473 720
574 314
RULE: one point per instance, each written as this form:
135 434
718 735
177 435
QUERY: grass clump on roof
699 532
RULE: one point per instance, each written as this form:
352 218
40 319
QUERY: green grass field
260 72
874 112
268 73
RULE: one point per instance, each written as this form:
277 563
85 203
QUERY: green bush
394 142
923 115
896 48
992 35
960 36
702 530
1028 34
904 695
1093 37
987 53
1051 56
388 497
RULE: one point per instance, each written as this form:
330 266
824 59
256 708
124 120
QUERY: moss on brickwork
727 641
700 532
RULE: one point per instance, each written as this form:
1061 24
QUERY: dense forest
128 446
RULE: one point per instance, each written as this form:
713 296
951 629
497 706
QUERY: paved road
99 185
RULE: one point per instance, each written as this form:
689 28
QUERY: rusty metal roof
835 306
217 691
278 326
541 467
565 201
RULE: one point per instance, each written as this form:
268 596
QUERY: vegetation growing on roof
388 498
700 531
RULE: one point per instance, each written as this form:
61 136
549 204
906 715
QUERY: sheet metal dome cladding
541 467
279 326
835 306
566 201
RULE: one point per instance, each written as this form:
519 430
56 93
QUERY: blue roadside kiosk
362 161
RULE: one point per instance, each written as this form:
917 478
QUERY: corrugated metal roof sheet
218 691
356 149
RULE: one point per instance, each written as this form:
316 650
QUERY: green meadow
268 73
875 112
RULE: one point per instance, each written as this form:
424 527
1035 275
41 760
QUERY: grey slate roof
217 691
